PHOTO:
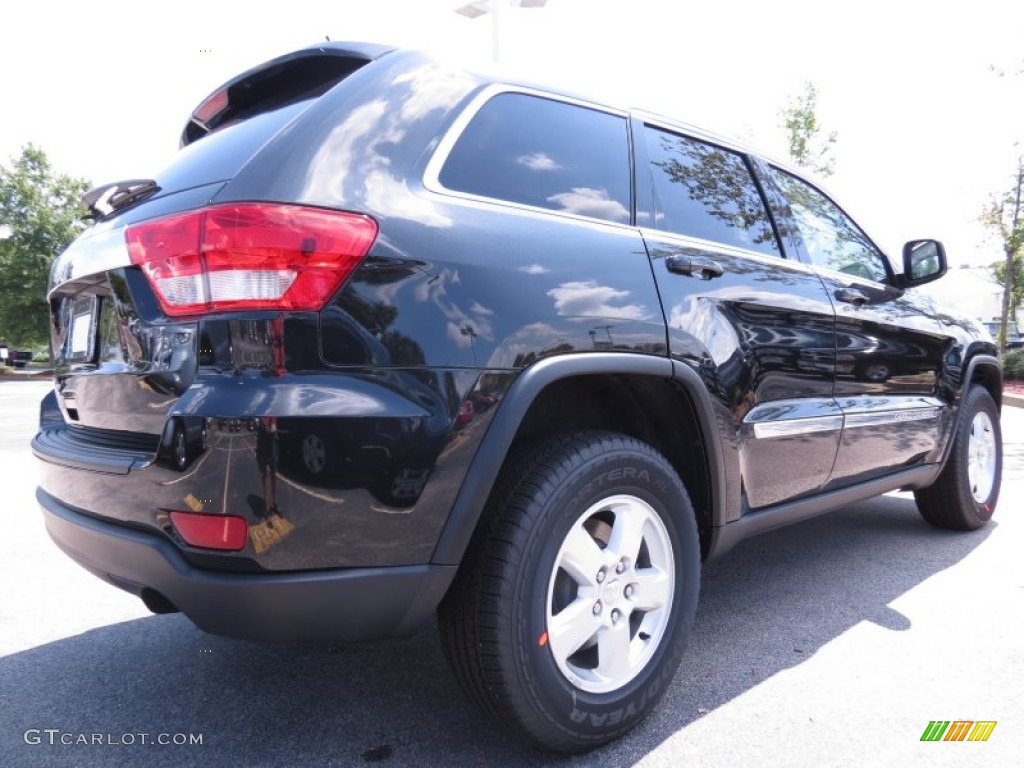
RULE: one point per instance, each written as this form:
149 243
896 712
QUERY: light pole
468 330
494 7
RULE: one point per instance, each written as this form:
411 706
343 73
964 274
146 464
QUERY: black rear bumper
342 604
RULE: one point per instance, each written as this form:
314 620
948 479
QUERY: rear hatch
128 296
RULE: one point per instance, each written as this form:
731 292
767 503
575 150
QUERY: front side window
544 153
703 190
830 237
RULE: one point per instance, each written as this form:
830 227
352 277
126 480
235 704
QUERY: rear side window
703 190
544 153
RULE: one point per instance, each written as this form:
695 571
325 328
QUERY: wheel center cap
612 592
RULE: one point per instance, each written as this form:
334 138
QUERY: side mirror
923 261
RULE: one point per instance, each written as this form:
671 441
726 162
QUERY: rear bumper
342 604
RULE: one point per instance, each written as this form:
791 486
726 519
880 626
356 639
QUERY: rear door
757 326
889 348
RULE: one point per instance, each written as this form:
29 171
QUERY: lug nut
600 576
597 607
621 566
615 615
628 591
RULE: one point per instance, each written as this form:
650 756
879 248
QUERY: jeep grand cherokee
389 338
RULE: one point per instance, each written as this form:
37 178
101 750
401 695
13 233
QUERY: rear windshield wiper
104 200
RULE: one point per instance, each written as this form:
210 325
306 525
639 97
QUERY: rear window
544 153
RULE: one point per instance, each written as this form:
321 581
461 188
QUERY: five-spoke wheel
964 496
572 608
610 594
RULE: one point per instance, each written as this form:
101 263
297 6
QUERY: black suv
390 338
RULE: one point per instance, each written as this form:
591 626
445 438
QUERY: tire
875 372
964 496
548 571
315 452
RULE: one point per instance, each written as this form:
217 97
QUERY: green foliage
808 146
1017 290
1004 217
1013 364
39 211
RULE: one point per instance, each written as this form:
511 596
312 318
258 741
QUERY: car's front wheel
570 614
965 494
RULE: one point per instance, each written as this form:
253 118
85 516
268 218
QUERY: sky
927 129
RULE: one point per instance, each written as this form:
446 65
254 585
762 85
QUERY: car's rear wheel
314 453
570 613
965 494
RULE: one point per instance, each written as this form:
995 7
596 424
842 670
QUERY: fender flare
975 362
487 463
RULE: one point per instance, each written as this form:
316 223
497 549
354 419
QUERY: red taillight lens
249 256
211 531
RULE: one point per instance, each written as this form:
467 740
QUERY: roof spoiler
276 83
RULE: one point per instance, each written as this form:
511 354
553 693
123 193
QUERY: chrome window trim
664 123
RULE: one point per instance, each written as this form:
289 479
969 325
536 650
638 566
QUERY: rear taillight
249 256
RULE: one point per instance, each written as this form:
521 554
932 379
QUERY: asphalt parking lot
831 643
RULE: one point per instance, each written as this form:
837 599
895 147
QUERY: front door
889 350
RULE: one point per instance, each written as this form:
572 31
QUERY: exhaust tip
156 602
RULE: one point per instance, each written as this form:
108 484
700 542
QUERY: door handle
854 296
698 266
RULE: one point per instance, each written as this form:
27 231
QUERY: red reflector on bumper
211 531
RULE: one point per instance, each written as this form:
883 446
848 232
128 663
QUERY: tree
1017 293
40 214
1005 218
808 146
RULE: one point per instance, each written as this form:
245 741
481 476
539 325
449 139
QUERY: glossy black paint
369 434
888 348
360 465
753 347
